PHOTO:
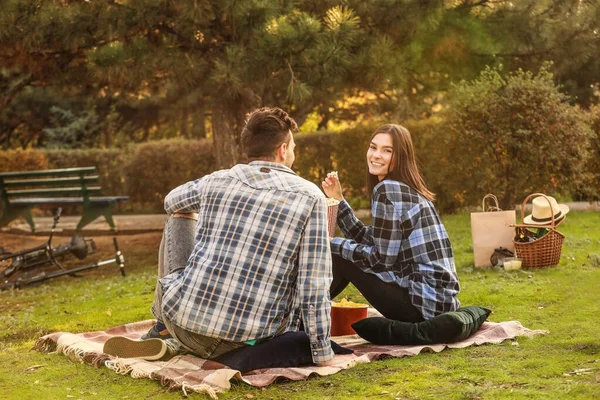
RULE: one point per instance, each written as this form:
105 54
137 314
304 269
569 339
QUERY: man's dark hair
266 129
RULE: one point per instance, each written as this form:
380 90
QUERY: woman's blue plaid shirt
406 244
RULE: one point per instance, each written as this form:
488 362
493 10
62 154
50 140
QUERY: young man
260 263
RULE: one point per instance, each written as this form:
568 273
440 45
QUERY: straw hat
542 209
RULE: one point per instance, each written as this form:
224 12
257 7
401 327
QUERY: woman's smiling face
379 155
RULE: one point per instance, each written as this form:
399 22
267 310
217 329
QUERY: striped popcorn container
332 210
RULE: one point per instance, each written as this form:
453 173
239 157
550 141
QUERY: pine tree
155 67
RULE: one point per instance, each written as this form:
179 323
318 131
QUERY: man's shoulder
276 178
307 186
218 174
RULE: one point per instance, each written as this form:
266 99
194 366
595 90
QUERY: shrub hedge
147 172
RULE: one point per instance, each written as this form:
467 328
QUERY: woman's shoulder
393 189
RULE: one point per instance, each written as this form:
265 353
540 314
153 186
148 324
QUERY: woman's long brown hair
404 166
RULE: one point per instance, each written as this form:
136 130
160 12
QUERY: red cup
343 317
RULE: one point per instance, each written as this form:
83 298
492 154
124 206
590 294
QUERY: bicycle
45 255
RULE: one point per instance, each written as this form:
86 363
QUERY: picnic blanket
190 373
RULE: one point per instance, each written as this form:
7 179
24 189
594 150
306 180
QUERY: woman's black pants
389 299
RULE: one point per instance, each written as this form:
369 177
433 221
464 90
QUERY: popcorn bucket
332 211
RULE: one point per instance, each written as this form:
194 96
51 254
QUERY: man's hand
326 364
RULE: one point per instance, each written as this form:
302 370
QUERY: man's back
261 255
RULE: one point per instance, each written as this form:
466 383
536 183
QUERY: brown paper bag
490 230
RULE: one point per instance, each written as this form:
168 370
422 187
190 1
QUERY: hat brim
564 209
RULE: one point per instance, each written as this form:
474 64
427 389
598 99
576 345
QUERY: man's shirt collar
271 165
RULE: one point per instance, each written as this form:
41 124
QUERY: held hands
332 187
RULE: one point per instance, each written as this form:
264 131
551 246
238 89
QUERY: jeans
176 247
389 299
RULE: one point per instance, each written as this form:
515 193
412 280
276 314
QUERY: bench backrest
49 183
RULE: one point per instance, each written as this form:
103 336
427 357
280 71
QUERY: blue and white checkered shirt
406 244
261 259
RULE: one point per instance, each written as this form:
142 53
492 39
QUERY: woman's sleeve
351 226
388 233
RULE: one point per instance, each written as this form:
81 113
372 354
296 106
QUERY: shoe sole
150 349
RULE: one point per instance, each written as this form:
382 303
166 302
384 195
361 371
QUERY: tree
154 66
512 135
528 33
147 59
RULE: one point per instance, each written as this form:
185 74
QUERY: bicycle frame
46 255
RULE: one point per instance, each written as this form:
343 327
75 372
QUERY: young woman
403 264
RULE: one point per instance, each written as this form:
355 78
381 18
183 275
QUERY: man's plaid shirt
406 244
261 260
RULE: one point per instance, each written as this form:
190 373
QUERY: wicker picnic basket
541 252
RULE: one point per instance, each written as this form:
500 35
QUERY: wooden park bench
20 191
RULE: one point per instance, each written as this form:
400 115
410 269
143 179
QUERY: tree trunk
198 117
184 123
228 118
225 135
108 138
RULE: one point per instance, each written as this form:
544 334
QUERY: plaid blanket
190 373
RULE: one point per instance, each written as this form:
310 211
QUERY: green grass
563 299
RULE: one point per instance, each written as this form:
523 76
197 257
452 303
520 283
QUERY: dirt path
140 250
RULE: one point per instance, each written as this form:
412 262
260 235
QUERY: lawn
565 364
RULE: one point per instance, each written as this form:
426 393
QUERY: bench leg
91 212
12 212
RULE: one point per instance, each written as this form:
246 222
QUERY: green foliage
511 135
72 131
345 152
350 152
591 190
22 160
153 169
109 163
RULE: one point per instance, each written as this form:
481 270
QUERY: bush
322 152
350 154
22 160
510 136
109 163
314 155
153 169
591 190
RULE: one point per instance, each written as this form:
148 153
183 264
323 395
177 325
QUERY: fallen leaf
34 367
580 371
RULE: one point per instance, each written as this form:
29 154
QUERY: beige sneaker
149 349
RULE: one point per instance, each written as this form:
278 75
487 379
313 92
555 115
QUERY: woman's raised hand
332 187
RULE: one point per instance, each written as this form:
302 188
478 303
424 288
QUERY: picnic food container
332 210
344 314
539 252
